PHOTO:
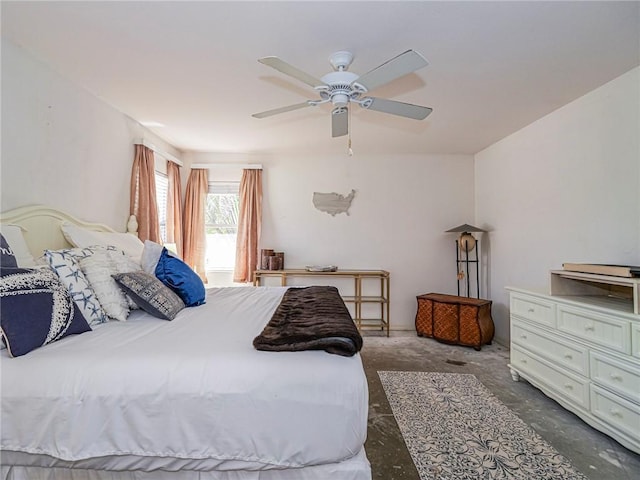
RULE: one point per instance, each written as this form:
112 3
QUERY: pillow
123 263
7 257
150 256
98 268
177 275
36 310
65 264
150 294
14 237
83 237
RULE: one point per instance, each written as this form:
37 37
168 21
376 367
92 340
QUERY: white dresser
584 352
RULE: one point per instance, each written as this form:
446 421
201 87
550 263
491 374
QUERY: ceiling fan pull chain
349 150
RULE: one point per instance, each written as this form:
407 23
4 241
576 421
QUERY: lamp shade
465 227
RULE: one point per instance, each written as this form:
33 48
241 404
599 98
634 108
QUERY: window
221 225
162 192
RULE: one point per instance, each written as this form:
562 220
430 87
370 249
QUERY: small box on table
456 320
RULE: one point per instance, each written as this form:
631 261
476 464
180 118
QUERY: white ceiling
494 66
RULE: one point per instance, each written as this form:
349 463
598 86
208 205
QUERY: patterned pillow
14 236
7 257
36 310
150 294
66 264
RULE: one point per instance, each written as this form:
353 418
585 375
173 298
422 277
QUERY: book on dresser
603 269
582 349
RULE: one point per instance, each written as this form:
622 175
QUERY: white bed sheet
354 468
191 394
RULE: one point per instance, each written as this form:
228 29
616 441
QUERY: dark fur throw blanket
311 318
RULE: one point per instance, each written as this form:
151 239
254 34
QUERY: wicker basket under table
457 320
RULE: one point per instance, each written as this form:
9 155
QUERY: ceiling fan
340 88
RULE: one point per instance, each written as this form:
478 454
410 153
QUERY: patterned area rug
456 429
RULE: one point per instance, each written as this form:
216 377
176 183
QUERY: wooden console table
358 299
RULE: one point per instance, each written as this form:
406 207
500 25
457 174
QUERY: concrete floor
594 454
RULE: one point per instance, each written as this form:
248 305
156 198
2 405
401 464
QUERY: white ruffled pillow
98 269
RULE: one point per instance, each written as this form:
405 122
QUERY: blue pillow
7 257
180 278
37 309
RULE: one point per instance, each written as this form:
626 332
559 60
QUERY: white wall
563 189
63 146
396 222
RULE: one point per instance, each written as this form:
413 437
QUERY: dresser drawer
597 328
635 339
619 376
533 309
563 352
570 386
619 413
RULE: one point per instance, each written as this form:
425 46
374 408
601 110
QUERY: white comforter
192 393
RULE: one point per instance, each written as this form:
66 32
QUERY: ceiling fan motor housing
340 90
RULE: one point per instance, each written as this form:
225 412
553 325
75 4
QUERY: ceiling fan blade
397 67
276 111
339 122
408 110
287 69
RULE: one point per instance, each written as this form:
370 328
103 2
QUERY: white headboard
41 226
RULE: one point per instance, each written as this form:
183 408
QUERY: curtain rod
245 166
162 153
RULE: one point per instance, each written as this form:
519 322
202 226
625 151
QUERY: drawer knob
524 360
568 386
616 376
615 412
523 336
589 327
568 356
530 310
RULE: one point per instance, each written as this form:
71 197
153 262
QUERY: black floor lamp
465 244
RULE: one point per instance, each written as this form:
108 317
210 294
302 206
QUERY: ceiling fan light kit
341 87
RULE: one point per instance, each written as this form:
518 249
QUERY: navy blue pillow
180 278
36 310
7 257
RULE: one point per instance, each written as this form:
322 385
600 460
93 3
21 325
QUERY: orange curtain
194 242
143 194
174 207
249 225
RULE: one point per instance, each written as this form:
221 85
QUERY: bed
186 399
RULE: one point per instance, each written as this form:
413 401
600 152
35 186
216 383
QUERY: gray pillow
150 294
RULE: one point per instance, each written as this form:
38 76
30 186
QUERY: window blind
162 192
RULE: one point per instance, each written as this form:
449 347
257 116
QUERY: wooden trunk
457 320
